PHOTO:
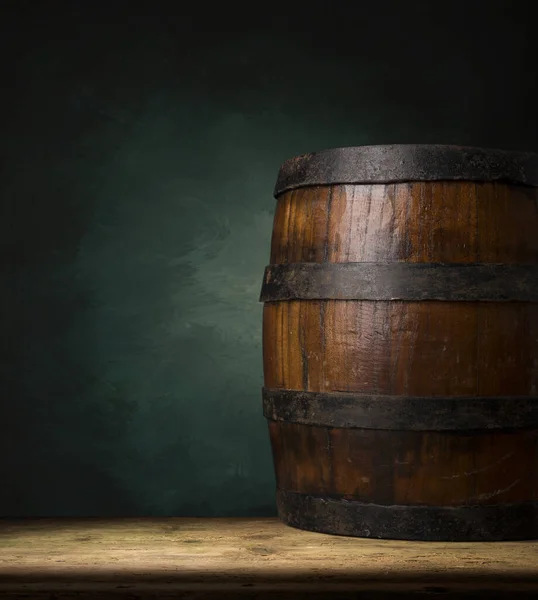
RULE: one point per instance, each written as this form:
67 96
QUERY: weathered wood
231 558
350 313
408 348
406 467
446 221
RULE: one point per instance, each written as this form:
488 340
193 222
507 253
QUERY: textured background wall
139 147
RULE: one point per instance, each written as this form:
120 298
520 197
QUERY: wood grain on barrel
412 222
415 348
405 348
406 467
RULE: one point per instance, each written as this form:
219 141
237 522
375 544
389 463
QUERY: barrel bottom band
337 516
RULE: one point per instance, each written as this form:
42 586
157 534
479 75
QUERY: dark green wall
139 149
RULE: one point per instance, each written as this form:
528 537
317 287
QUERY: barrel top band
400 163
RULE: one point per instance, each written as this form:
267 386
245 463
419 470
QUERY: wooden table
236 558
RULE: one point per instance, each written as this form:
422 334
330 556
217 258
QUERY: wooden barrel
400 343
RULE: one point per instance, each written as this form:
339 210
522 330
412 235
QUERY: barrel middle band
348 410
446 282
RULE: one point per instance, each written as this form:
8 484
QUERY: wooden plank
229 558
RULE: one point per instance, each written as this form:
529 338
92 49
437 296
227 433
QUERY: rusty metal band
404 413
337 516
447 282
402 163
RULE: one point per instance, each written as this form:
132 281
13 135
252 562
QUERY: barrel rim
463 523
401 163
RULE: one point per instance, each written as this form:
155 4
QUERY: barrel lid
398 163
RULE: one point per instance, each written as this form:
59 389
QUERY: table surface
209 558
